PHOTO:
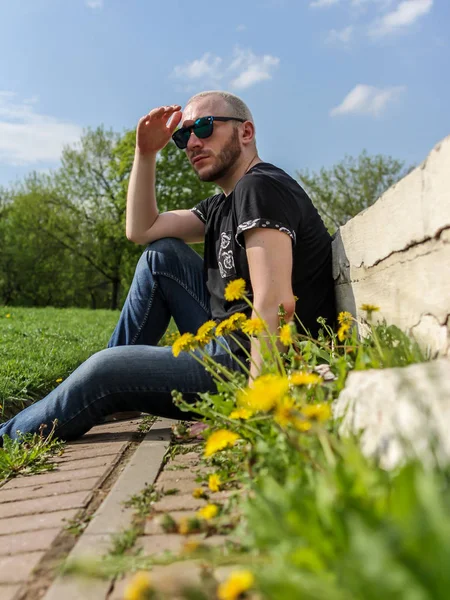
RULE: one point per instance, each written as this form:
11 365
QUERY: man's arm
269 254
143 222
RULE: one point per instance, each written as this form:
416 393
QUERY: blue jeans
133 373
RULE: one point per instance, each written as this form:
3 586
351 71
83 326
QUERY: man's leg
115 379
168 281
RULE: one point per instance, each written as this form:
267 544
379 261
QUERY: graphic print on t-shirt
226 258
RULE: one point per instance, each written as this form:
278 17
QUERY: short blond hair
238 108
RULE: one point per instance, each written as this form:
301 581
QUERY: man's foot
187 432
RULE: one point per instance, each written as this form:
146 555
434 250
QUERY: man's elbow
270 305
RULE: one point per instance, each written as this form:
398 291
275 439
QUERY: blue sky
323 78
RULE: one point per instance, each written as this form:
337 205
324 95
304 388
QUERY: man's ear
248 133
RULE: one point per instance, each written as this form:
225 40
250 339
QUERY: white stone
402 412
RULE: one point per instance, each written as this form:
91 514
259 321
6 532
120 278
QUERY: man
262 227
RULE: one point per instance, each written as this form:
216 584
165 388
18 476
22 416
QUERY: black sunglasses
202 128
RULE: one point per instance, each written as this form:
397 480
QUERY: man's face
212 157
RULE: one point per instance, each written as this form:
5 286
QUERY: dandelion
184 526
190 546
345 318
303 378
236 584
208 512
139 588
59 380
214 482
286 334
184 343
235 290
343 331
253 326
219 440
241 413
226 327
7 316
205 333
317 412
370 308
301 424
284 411
199 493
264 394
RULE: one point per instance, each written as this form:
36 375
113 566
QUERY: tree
350 186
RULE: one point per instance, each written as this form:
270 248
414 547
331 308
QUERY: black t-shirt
266 196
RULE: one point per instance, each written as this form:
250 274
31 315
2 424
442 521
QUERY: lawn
39 346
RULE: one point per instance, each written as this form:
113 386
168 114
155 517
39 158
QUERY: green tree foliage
63 236
353 184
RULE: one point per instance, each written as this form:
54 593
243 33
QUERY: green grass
40 345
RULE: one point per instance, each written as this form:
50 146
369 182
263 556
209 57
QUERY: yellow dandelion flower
225 327
199 493
241 413
238 318
184 343
219 440
345 318
214 482
301 424
190 546
208 512
317 412
343 331
286 335
266 391
184 526
8 316
253 326
58 380
284 411
369 308
303 378
139 588
205 333
237 583
235 290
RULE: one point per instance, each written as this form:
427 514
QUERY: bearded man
262 228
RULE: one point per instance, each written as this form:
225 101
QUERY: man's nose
194 142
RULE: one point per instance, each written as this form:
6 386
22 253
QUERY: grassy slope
40 345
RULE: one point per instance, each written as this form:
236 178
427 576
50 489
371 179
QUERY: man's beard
225 160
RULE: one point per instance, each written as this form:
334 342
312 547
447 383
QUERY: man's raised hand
154 132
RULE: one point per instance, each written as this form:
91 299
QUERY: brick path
35 510
95 476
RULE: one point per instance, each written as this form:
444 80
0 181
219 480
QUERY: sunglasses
202 128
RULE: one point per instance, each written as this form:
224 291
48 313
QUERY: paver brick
190 458
153 524
40 505
32 523
178 502
18 543
99 461
53 477
179 474
8 592
87 453
14 569
50 489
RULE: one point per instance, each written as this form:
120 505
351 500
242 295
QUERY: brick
36 522
178 502
40 505
157 544
18 543
53 477
87 453
184 486
189 459
14 569
99 461
51 489
8 592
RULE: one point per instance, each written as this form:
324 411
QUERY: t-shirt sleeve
201 210
261 202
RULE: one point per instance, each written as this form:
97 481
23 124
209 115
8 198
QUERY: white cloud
322 3
94 3
340 36
243 70
367 100
406 13
27 137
